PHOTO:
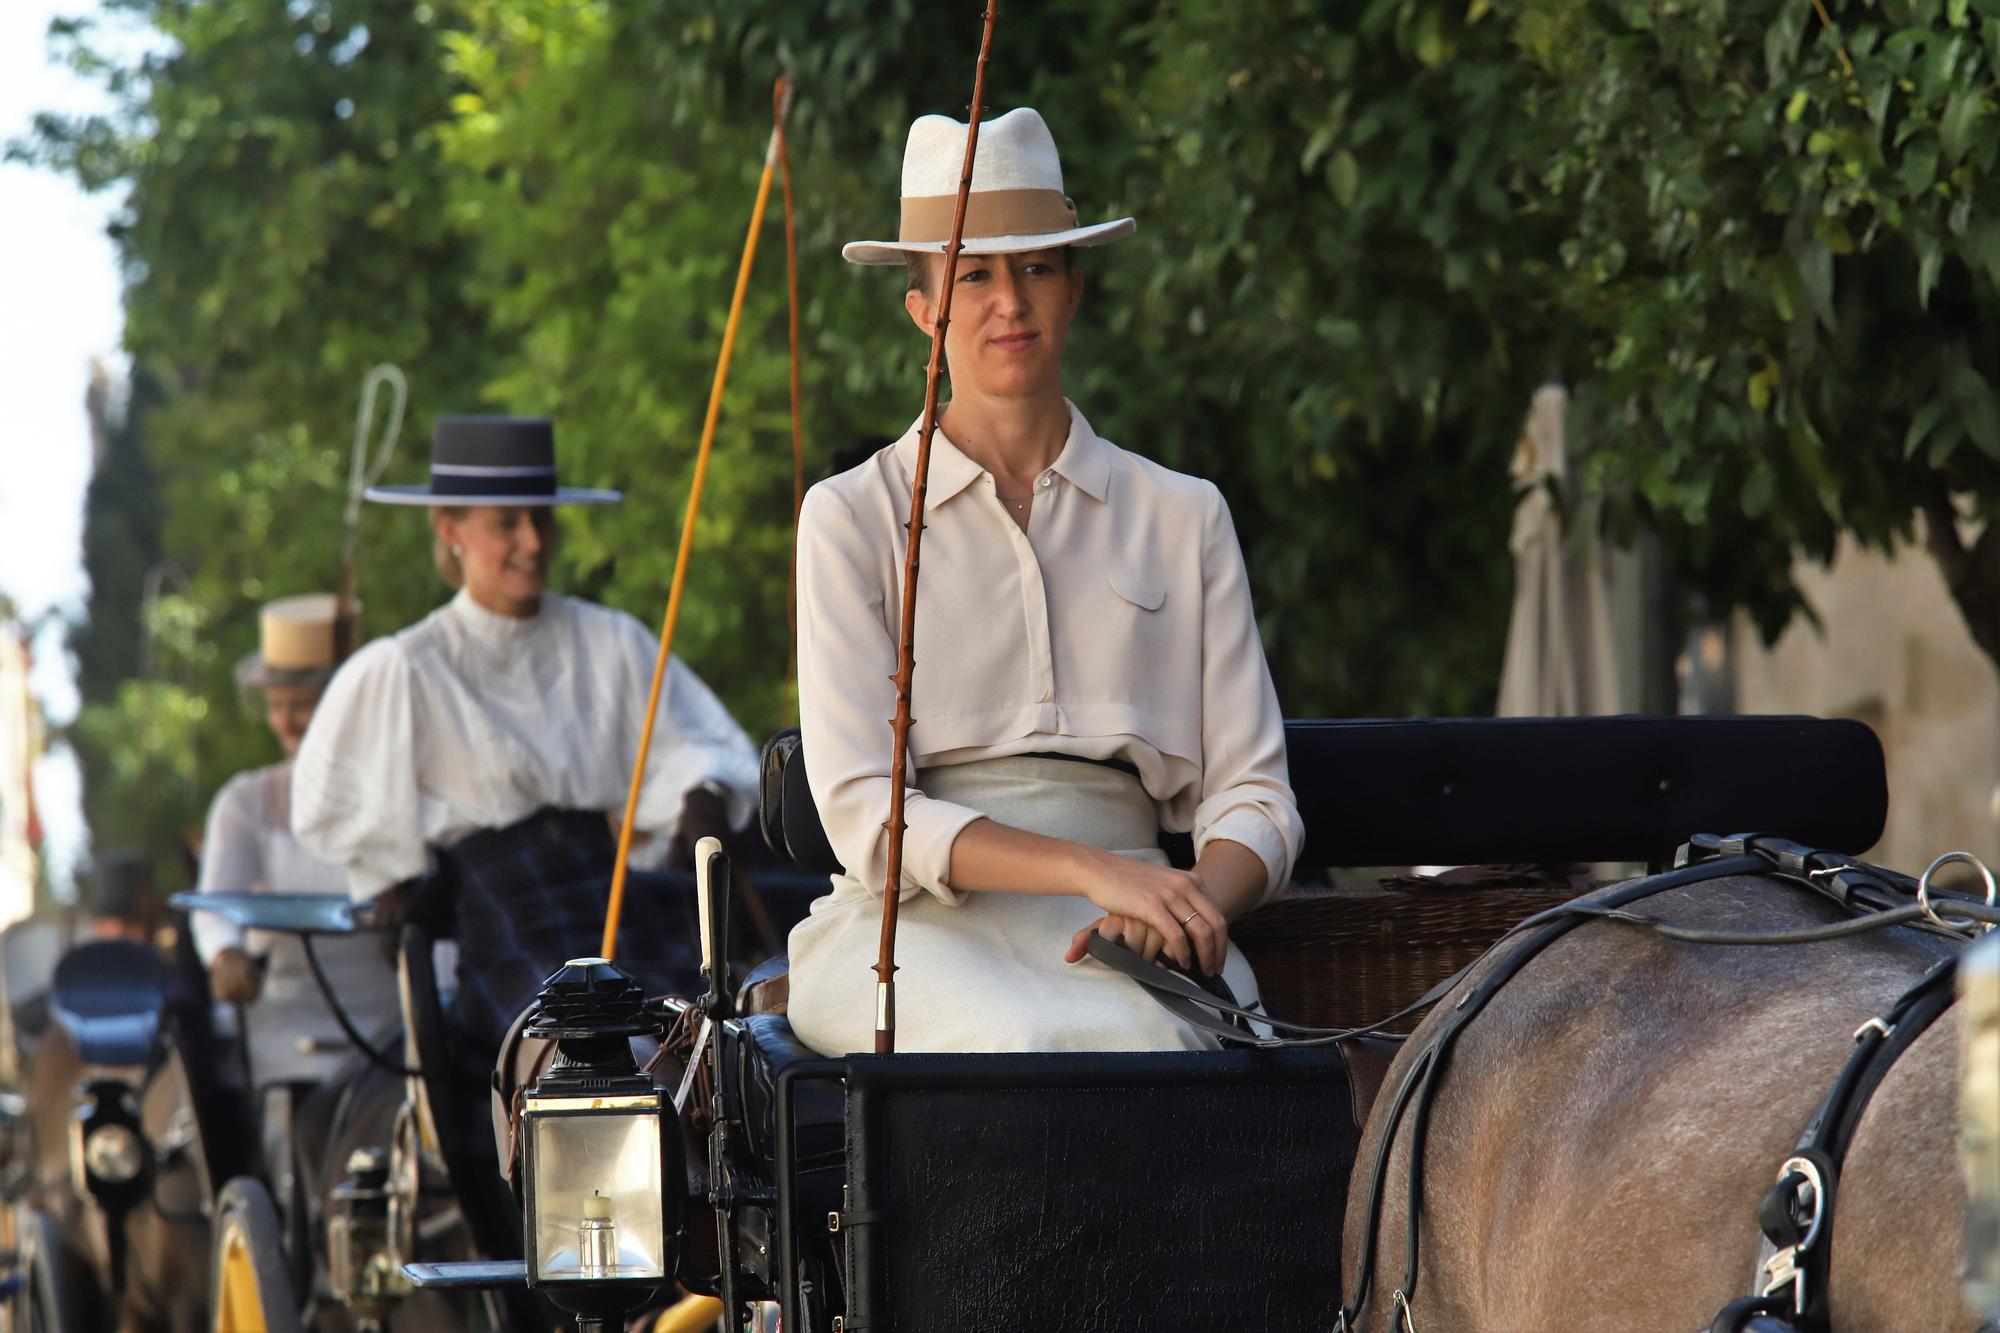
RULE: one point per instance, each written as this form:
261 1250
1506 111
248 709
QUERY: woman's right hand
1154 909
235 977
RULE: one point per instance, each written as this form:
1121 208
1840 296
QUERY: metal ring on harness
1924 889
1806 1167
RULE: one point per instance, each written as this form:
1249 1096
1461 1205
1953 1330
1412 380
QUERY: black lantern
361 1266
603 1175
109 1156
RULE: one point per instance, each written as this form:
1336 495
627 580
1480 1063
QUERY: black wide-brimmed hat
492 461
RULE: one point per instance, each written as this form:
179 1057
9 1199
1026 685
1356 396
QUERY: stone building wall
1892 650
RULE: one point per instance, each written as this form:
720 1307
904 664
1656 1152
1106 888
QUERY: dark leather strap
1202 1008
1419 1084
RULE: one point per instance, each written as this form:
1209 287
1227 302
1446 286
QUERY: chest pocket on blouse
1133 626
1145 593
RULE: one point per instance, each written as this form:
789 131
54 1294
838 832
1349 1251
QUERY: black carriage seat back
787 816
455 1098
1474 791
1211 1184
111 995
1468 791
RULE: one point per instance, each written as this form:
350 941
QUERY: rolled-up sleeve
1246 790
354 785
846 700
232 861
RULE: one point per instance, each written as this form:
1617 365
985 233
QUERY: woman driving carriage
1089 670
495 738
249 848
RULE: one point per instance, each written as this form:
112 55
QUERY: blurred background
1756 244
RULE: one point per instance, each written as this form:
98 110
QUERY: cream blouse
470 720
1118 626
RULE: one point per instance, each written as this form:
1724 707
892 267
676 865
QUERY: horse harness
1796 1215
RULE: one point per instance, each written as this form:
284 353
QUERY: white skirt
988 974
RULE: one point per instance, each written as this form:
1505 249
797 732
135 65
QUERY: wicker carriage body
1359 953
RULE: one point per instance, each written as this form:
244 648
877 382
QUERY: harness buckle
1876 1025
1782 1273
1400 1305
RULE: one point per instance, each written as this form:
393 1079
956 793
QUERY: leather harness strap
1797 1214
1420 1080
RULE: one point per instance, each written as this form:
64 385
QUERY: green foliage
281 232
1780 263
1302 205
1367 230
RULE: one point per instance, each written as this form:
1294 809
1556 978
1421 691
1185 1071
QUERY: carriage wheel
41 1303
250 1282
690 1314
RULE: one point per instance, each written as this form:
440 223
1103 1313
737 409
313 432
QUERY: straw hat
492 461
296 639
1016 202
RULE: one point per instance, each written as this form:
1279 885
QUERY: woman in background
493 742
249 848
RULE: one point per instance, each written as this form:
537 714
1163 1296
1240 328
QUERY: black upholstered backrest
111 995
1464 791
1483 790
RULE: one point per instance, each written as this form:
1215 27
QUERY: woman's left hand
1136 935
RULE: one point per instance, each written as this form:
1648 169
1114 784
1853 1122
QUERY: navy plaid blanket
531 896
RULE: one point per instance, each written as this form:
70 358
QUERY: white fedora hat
1016 202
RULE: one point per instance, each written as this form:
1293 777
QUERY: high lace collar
490 627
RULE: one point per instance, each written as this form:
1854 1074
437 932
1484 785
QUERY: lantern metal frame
591 1009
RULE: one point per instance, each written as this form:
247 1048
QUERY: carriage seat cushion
768 988
110 994
768 1047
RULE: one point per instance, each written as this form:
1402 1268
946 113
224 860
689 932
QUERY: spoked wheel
250 1283
40 1301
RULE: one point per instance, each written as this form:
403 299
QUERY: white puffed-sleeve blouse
471 720
1118 626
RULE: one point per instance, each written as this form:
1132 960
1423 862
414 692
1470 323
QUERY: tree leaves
1366 233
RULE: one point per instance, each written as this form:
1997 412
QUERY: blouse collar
1085 461
486 626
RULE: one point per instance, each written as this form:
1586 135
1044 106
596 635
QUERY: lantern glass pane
597 1167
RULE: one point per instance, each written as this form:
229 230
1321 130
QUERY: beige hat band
927 218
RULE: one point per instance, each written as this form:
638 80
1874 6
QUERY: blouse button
1046 481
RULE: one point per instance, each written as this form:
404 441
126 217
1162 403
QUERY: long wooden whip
906 659
364 471
780 97
615 908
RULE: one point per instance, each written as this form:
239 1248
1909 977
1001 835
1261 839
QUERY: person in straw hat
1088 668
491 744
248 847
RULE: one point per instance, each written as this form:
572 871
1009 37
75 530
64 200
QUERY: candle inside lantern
597 1237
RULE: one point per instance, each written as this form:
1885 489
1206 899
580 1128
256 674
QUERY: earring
458 553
